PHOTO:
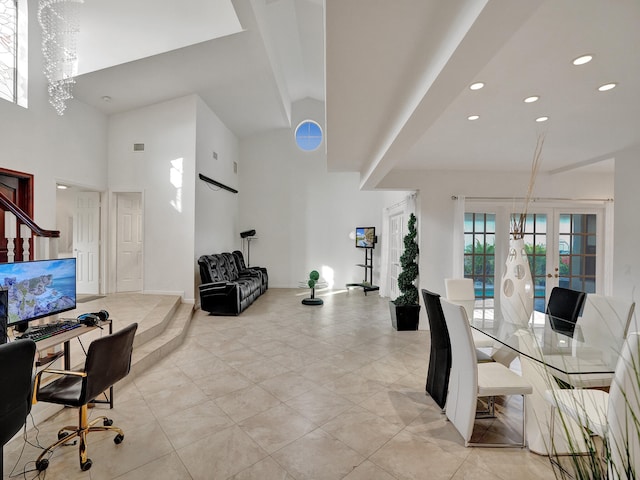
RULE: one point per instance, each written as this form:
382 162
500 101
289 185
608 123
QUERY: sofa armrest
220 298
216 285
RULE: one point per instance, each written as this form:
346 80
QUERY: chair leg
490 412
81 431
522 443
85 463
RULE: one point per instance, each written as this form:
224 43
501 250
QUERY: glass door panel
479 259
577 251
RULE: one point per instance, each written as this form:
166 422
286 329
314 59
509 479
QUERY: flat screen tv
365 237
38 289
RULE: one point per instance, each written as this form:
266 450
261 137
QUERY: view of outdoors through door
480 260
561 250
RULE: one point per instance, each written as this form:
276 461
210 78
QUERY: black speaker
4 313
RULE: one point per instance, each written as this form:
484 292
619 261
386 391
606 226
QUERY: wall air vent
138 147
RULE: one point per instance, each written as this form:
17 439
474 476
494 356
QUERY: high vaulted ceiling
249 60
397 74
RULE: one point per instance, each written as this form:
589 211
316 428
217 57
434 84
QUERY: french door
564 247
396 247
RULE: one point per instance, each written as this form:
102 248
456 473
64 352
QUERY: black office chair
108 361
440 354
16 378
563 308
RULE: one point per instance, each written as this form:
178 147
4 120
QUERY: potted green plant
405 310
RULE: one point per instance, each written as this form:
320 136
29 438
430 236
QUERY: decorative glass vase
516 287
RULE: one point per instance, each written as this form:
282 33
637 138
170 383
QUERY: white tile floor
286 391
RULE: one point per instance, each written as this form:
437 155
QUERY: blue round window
308 135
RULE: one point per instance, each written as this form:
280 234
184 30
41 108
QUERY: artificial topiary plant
407 278
314 276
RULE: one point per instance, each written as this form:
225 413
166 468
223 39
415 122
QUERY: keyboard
42 332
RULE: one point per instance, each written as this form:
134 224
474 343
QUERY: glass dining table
567 357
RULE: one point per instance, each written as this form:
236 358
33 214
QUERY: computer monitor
38 289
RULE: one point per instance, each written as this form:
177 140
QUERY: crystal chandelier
59 23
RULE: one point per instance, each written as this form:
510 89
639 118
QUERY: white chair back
461 292
623 413
605 323
463 379
568 436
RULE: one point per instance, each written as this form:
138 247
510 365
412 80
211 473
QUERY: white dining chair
612 416
470 380
604 325
460 291
541 438
605 322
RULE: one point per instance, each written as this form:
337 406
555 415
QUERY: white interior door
86 242
396 234
129 242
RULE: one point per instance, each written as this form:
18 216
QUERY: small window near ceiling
308 135
13 51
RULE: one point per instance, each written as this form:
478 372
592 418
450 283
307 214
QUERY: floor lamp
248 235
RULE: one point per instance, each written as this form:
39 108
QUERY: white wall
626 261
165 173
216 209
71 148
302 214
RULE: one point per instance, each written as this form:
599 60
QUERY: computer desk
64 339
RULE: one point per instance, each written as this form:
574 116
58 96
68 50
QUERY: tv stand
367 284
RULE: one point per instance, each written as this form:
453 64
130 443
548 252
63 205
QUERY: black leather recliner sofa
226 289
239 258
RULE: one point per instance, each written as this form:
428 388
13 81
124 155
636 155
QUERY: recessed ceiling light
542 119
531 99
62 187
581 60
473 117
476 86
607 86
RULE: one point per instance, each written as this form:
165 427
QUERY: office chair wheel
118 439
41 465
107 422
61 435
86 465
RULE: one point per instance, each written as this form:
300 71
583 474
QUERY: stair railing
16 221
